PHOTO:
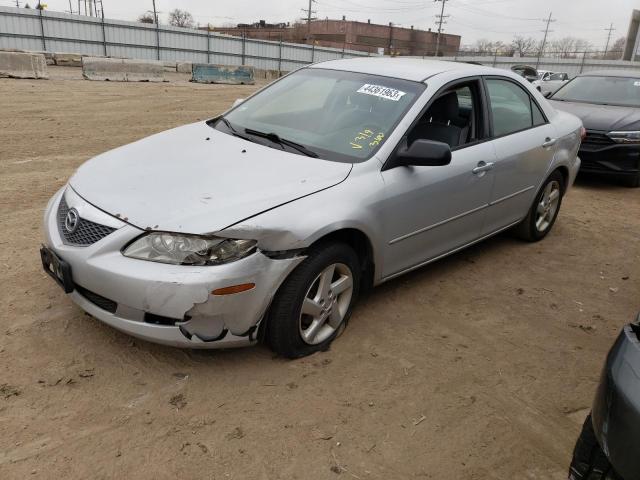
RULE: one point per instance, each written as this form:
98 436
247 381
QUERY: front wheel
314 303
544 211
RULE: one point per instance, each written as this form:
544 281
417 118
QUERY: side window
538 117
452 118
512 109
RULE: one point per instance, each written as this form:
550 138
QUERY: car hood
195 179
602 117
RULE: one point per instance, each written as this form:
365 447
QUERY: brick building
352 35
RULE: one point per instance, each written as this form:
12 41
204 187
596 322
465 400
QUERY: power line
440 20
610 29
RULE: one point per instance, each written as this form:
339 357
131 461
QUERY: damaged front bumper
168 304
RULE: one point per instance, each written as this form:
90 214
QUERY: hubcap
548 206
326 303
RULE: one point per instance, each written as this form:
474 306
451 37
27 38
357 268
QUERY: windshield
621 91
336 115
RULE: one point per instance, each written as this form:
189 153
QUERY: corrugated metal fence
572 66
30 29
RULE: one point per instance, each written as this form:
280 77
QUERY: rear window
622 91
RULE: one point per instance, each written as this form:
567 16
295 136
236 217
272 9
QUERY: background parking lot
480 366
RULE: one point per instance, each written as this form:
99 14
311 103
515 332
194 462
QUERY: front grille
595 140
98 300
86 233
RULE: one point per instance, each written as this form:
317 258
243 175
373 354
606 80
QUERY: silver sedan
267 222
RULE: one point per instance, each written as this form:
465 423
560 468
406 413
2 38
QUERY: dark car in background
608 102
609 445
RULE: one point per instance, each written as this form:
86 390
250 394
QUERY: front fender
299 224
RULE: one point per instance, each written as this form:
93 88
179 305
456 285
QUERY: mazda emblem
71 221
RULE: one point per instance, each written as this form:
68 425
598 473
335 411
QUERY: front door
430 211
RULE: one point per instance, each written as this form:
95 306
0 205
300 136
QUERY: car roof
611 73
406 68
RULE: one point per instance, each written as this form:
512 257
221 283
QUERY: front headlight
179 249
625 137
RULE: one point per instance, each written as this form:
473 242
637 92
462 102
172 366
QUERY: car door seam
511 195
438 224
446 254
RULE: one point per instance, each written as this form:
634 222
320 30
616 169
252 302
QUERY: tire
290 329
589 461
529 229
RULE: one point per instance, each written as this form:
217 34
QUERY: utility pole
544 40
309 11
17 4
439 22
155 13
610 29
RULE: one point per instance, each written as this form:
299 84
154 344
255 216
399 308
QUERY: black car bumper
616 410
600 154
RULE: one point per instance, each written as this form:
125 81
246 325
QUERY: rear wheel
314 303
544 211
589 461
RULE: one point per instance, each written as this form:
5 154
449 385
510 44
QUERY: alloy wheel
326 303
548 206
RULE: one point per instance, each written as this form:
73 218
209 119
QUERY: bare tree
146 18
483 45
582 45
615 50
568 47
181 18
524 45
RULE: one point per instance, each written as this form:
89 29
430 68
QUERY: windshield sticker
367 136
382 92
636 84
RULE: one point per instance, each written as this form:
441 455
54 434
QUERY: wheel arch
361 244
564 171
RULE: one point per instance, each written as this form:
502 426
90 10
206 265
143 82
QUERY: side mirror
237 102
547 94
422 153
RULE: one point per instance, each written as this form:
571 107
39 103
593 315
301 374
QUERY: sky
472 19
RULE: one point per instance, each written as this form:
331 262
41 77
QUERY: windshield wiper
275 138
235 132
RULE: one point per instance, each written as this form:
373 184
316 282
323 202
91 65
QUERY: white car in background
549 82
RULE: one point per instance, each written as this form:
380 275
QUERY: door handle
549 142
483 167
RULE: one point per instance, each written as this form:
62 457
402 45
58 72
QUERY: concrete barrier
68 59
169 66
184 67
207 73
268 74
23 65
122 70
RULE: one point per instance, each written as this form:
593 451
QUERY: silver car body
226 186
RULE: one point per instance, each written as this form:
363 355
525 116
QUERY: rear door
524 143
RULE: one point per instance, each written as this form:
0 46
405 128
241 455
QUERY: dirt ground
481 366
